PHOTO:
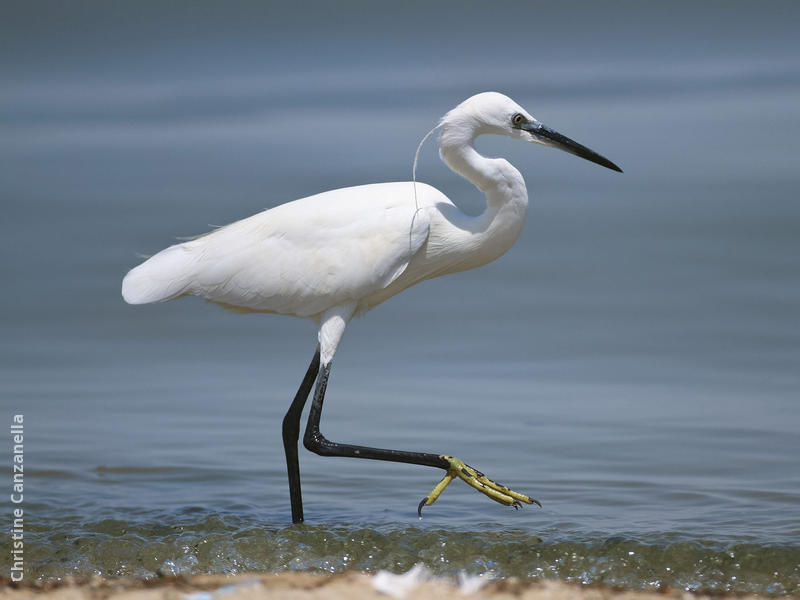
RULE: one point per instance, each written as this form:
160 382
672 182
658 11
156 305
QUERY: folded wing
299 258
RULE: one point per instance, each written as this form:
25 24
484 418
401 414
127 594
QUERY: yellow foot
495 491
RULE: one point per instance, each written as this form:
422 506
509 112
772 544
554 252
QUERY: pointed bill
542 134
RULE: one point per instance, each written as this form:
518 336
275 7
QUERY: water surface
634 361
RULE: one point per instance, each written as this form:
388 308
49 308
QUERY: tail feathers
166 275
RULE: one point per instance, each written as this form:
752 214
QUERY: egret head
492 112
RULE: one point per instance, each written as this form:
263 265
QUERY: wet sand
306 586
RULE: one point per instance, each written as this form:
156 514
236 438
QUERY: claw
473 477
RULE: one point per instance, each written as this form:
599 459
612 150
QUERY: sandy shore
304 586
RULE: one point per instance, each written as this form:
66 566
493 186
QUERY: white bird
335 255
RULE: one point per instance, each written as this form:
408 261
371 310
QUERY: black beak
550 137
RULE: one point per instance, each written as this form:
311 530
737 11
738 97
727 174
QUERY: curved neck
484 238
495 177
462 158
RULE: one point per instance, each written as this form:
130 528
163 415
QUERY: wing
299 258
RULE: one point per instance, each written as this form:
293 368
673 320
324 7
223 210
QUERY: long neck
495 177
462 158
493 232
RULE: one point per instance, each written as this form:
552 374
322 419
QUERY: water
634 362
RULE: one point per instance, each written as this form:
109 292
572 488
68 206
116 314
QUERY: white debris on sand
400 585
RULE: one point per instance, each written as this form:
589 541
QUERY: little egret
337 254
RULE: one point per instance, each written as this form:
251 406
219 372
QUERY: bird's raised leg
318 443
496 491
291 432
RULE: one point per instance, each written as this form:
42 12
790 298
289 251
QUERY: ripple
193 542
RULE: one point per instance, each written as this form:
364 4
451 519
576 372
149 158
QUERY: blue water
633 362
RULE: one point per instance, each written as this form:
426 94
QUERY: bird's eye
518 120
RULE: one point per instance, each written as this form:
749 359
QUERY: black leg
316 442
291 432
455 468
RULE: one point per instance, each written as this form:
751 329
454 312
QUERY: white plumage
352 247
297 259
340 253
347 250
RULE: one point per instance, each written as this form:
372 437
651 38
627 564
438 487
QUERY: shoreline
350 585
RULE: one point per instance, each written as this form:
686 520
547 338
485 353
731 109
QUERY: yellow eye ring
518 120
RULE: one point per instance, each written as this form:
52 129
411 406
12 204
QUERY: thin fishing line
416 159
414 185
